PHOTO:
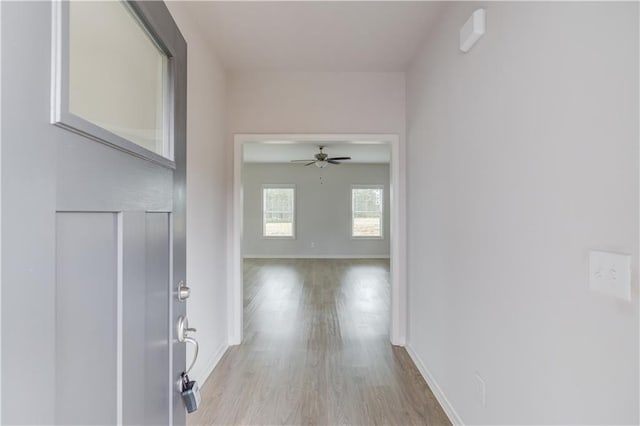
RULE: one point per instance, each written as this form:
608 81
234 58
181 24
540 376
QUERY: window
366 211
114 78
278 211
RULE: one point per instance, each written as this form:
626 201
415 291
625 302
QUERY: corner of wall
446 405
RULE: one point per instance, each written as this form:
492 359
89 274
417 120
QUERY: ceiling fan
322 159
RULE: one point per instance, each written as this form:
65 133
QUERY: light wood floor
316 351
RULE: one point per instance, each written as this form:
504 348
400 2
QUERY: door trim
398 237
1 210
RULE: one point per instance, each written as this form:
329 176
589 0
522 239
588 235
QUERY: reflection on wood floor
316 351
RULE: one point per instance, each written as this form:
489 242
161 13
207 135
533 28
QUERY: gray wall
522 156
323 211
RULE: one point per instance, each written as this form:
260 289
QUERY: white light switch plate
610 273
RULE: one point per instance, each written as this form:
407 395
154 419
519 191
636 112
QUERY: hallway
147 147
316 351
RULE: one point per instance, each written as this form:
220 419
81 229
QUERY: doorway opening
397 232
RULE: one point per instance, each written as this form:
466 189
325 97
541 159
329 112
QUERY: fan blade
301 161
308 164
333 162
339 158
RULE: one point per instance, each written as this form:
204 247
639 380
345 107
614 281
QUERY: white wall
523 155
316 102
207 192
323 210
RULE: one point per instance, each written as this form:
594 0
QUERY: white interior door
93 212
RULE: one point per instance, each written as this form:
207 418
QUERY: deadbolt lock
183 291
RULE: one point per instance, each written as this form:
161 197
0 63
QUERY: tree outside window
278 207
366 212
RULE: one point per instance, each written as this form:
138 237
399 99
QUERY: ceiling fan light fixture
321 159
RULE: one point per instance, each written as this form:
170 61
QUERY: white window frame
293 213
382 218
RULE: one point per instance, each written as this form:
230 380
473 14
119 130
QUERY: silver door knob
183 329
183 291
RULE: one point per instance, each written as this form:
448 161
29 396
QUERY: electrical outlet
313 244
610 273
481 390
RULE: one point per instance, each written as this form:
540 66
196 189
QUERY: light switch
610 273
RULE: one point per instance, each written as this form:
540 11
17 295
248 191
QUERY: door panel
146 296
99 178
86 318
158 298
112 280
134 312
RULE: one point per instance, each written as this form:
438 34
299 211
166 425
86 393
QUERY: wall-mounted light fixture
472 30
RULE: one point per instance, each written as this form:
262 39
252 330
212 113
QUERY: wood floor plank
316 351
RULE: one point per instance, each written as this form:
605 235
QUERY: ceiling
284 152
331 36
372 36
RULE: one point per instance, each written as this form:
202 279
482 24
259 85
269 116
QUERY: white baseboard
435 388
316 256
202 374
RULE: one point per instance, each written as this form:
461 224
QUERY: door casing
397 185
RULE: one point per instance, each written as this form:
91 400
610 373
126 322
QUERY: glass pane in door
117 74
